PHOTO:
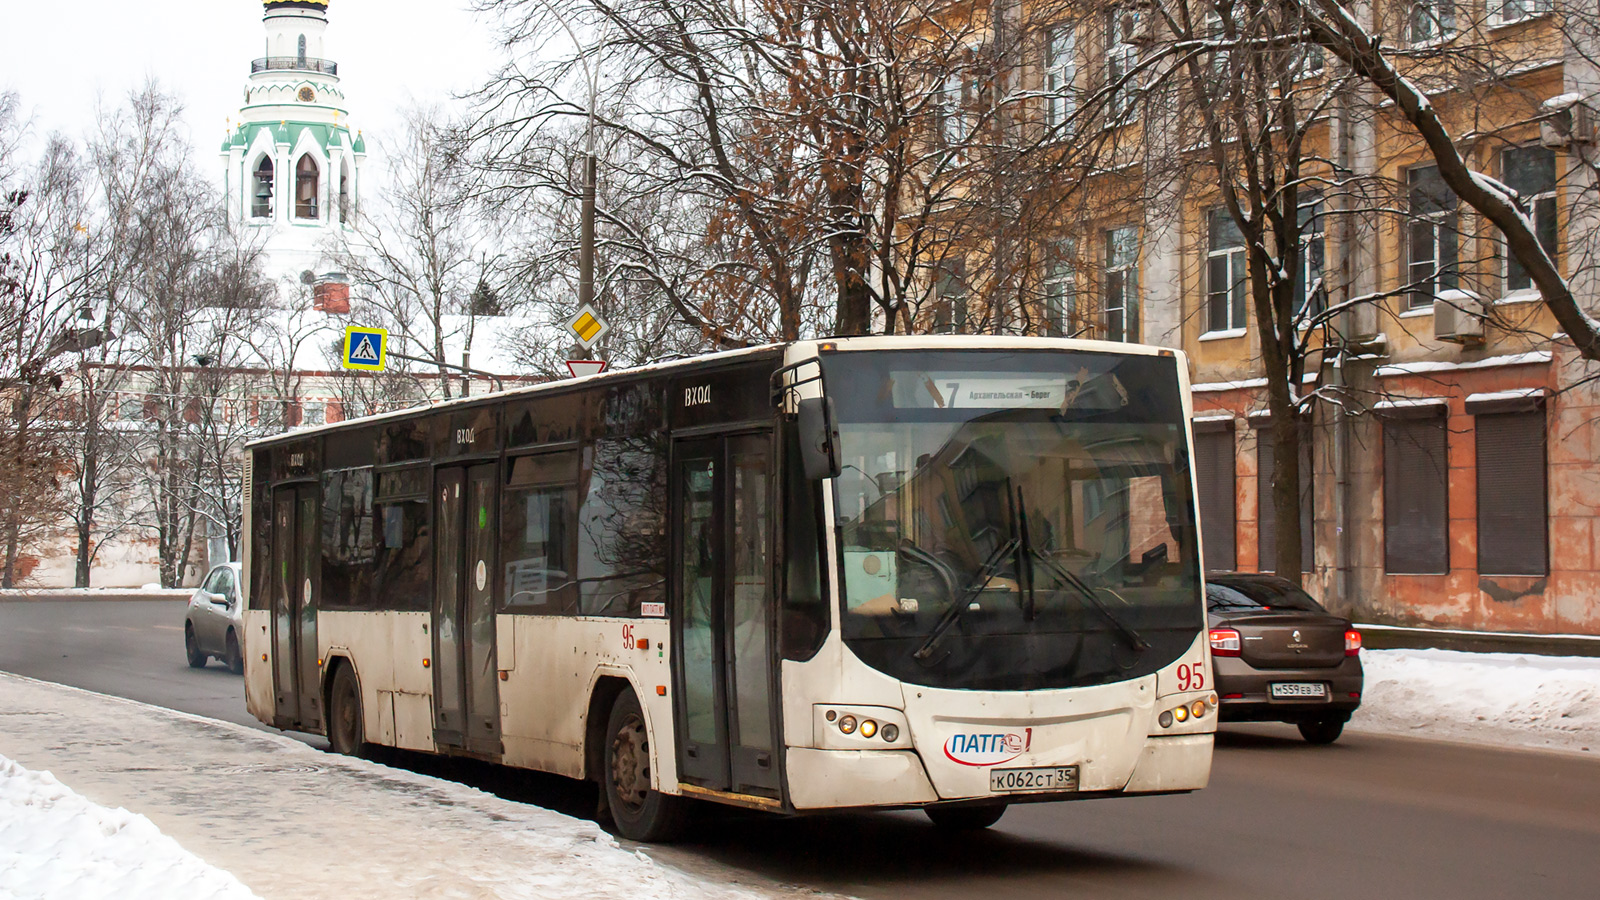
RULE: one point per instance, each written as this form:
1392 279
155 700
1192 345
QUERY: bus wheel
191 646
641 814
344 713
965 818
233 658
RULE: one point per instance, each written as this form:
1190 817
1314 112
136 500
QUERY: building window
1502 12
1531 172
1512 514
1122 57
300 56
950 306
1226 274
313 412
1061 291
1432 20
344 192
305 188
1416 522
1432 235
261 191
1266 513
956 101
1121 284
1061 72
1214 458
1310 294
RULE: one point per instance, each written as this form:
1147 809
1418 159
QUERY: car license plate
1294 689
1045 778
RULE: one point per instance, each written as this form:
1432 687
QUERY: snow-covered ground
292 822
1514 699
56 844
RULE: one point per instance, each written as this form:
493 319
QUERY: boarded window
1511 494
1267 545
1416 537
1214 479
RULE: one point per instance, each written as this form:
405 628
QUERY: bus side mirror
819 438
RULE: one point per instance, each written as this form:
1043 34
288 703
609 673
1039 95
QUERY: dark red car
1280 657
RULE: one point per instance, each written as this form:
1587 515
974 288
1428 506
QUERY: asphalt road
1370 816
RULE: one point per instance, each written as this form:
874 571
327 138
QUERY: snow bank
56 844
1495 698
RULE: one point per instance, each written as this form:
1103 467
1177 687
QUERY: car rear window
1260 595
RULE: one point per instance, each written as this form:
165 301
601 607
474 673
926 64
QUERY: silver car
212 625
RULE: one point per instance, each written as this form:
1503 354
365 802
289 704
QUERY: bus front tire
640 813
965 818
345 728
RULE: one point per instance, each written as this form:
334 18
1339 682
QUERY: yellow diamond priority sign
365 348
587 326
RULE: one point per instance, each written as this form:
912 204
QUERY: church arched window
261 189
302 54
305 188
345 212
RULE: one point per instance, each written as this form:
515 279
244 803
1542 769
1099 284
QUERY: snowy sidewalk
291 822
1507 699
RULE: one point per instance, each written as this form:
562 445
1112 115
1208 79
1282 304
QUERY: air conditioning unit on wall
1454 319
1567 121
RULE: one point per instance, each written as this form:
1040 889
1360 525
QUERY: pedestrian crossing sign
365 348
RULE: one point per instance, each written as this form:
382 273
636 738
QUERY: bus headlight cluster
1195 710
867 728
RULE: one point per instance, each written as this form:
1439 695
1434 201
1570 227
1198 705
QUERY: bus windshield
1014 520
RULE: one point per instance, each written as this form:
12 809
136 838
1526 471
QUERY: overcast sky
60 55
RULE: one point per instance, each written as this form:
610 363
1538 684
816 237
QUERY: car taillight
1352 642
1224 642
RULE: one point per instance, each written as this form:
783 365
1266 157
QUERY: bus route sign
365 348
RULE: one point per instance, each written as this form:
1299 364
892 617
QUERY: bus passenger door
466 699
722 489
296 553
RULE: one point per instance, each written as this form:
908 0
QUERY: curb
1399 637
44 595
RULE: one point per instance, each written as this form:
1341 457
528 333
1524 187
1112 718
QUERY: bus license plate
1046 778
1299 689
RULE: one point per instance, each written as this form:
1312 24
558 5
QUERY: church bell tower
293 165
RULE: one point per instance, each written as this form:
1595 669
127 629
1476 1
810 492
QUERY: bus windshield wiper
1030 610
939 566
1134 639
960 604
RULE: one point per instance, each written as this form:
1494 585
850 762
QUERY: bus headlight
1181 713
1165 718
1198 708
891 733
847 724
869 728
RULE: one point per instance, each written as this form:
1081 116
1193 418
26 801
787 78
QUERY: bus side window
349 549
404 551
537 542
622 549
805 621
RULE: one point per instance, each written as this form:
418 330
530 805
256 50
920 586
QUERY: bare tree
418 249
43 280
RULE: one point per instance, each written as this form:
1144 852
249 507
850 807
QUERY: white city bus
952 573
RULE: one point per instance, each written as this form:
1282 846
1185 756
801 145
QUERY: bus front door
722 508
466 698
297 565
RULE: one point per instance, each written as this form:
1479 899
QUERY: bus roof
866 342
